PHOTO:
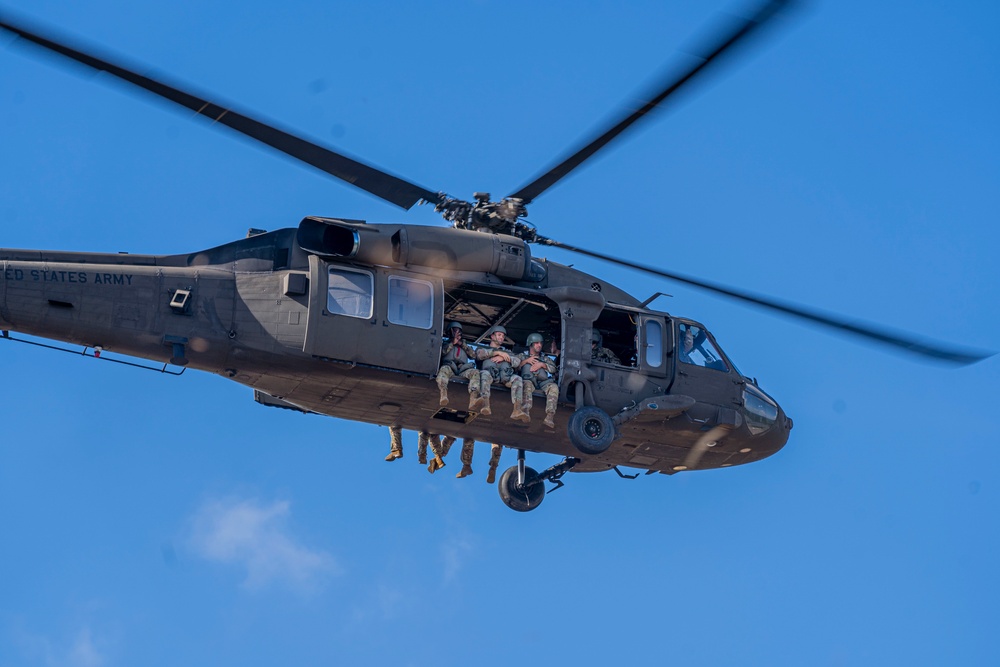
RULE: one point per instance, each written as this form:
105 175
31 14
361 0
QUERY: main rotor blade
713 48
379 183
866 331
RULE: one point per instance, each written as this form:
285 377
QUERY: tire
520 500
591 430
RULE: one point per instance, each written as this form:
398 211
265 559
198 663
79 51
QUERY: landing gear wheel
520 499
591 430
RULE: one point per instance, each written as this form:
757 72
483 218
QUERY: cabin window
349 293
411 302
654 343
617 332
696 348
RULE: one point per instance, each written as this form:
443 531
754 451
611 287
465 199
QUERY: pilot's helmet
596 338
534 338
498 329
454 325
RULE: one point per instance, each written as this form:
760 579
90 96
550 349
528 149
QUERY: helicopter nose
785 420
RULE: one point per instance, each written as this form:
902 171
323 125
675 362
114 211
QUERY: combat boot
475 401
519 414
394 454
422 457
491 476
465 471
486 406
548 421
436 464
442 384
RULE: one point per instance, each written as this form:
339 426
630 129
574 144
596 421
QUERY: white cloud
84 653
256 536
39 649
454 553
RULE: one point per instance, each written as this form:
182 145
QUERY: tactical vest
501 371
457 357
541 378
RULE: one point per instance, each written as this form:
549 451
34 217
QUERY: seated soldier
499 363
538 370
458 358
599 353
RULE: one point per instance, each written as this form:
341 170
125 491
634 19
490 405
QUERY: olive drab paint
361 340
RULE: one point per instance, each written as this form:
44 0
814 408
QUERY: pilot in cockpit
687 343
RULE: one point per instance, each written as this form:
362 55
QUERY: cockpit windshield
696 348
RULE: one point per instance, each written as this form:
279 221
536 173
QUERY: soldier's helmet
498 329
534 338
596 338
454 325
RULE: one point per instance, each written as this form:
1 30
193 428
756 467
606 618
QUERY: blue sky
849 162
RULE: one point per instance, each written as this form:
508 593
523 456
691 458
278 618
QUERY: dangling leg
475 397
495 451
529 397
442 382
396 438
468 445
551 400
423 437
440 450
517 398
485 383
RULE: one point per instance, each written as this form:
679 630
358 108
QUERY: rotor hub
502 217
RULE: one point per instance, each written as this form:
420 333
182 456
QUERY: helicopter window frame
350 297
706 352
652 345
418 312
619 330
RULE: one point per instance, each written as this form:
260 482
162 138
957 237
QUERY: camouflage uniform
497 369
600 353
605 355
440 449
458 360
538 370
468 446
495 451
396 446
423 439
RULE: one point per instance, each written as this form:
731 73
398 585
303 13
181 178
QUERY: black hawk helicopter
343 318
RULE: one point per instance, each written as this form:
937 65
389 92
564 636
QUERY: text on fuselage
80 277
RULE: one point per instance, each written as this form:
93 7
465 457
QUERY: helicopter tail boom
141 310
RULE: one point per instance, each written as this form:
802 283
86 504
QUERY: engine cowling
506 257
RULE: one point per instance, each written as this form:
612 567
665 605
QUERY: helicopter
344 318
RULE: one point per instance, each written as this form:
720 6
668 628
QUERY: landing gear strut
522 489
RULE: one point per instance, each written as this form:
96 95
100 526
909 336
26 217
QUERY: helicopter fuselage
345 319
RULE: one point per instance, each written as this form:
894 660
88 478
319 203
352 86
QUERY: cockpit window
696 348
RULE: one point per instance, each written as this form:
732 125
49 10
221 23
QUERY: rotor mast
502 217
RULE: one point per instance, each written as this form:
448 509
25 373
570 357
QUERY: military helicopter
344 318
